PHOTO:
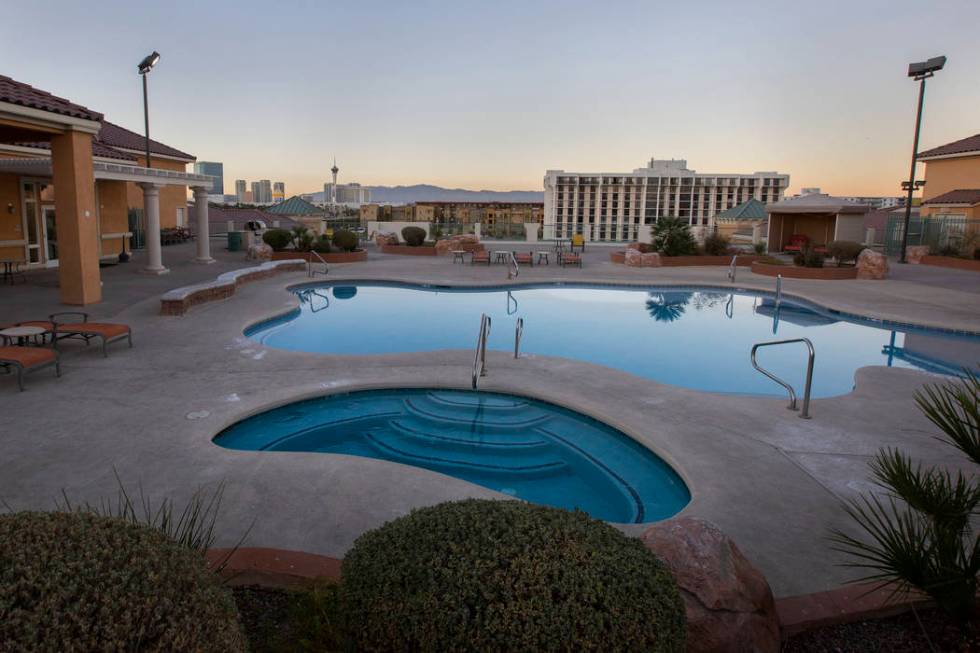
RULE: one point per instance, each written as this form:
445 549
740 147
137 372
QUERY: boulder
465 242
381 239
259 252
651 260
729 604
633 258
872 265
914 253
636 246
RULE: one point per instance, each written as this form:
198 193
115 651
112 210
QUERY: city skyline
729 88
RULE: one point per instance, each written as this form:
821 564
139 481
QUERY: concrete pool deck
770 480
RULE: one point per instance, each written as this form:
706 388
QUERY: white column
756 233
203 229
869 236
151 211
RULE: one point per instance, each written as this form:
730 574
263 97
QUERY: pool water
524 448
693 338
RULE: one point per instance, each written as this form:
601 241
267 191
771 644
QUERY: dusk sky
489 95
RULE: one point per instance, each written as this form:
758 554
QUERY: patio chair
28 359
797 243
578 240
524 258
480 257
106 331
571 259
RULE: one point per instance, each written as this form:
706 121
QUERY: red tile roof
116 136
98 149
962 146
26 95
968 196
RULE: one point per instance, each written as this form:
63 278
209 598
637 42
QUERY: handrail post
518 334
480 358
513 264
733 268
805 413
779 289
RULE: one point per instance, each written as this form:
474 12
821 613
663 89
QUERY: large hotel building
616 205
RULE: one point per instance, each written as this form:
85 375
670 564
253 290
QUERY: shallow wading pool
697 338
521 447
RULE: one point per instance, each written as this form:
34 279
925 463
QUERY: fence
941 233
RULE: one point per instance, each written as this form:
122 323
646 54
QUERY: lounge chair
571 259
578 240
480 257
85 330
524 258
797 243
28 359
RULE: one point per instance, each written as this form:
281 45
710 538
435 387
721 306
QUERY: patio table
544 256
501 256
23 334
458 255
11 268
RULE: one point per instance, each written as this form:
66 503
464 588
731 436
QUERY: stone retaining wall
180 300
410 251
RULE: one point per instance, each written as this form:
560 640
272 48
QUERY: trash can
235 241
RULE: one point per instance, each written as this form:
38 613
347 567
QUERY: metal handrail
511 300
309 265
518 334
805 414
732 268
480 359
511 273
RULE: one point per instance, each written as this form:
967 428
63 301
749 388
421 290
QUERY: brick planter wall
357 256
951 262
678 261
410 251
796 272
180 300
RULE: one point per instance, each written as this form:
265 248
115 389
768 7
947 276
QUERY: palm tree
667 307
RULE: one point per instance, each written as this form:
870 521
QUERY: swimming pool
696 338
521 447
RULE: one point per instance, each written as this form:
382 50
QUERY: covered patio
64 197
817 219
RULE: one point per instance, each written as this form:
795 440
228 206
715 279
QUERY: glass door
50 235
32 228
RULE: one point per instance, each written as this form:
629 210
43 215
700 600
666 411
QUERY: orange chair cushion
27 356
104 329
44 324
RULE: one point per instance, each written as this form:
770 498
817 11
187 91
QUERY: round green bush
322 245
277 239
81 582
345 240
716 244
413 236
504 575
844 250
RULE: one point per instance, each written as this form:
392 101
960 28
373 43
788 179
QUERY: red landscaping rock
464 242
730 608
634 258
872 265
651 260
914 253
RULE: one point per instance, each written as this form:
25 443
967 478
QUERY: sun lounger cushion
106 330
28 357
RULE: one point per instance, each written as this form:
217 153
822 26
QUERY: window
180 216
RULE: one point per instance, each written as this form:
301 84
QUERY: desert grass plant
716 244
191 526
922 534
673 237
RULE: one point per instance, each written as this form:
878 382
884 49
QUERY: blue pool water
521 447
694 338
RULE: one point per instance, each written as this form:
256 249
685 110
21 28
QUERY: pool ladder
310 271
733 268
518 334
513 269
480 359
805 413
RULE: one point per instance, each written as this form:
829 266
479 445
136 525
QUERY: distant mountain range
429 193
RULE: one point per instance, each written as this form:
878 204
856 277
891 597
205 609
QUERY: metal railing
518 334
779 289
480 359
805 414
514 268
733 268
310 272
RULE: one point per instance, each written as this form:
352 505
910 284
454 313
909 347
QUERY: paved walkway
772 481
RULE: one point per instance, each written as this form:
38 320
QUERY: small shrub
322 245
482 575
672 237
413 236
82 582
808 259
303 238
771 260
277 239
345 240
759 248
716 245
844 250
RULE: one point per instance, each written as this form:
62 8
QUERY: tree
672 237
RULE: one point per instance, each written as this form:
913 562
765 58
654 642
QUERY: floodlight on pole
920 72
145 67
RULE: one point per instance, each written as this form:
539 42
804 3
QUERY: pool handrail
518 334
480 359
310 272
779 289
732 268
514 269
805 413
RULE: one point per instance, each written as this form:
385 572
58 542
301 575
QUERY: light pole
920 72
144 68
